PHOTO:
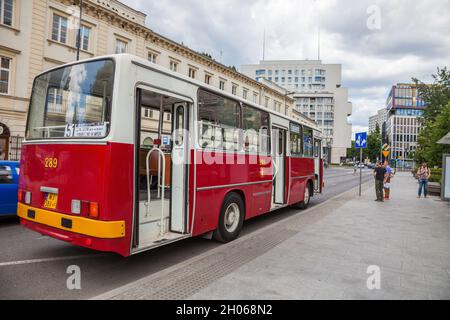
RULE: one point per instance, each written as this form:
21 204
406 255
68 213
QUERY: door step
166 238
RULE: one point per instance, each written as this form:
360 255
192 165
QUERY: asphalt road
34 267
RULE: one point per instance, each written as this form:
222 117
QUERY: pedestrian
387 184
423 174
355 168
380 178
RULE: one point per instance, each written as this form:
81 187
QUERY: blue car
9 180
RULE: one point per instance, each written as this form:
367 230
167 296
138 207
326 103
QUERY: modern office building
377 119
319 95
403 107
36 35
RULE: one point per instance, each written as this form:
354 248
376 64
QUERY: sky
379 43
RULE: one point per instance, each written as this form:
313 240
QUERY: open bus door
318 166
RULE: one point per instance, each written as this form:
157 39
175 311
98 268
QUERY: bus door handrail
275 165
161 158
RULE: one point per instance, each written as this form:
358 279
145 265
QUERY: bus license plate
51 201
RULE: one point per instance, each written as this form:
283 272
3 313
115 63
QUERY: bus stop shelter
445 186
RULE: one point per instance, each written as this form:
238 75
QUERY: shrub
436 175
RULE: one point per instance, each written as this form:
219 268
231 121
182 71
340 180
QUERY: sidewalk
324 253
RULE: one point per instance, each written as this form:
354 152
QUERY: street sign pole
360 143
360 170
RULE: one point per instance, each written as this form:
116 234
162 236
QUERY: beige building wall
28 43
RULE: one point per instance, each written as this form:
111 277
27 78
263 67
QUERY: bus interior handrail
161 158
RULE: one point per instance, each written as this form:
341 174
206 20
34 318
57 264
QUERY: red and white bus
122 155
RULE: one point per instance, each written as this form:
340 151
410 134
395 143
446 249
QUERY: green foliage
436 118
374 145
436 175
428 150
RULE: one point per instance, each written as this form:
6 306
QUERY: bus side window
219 119
296 139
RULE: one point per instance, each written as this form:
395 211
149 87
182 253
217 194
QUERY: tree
374 144
436 118
428 150
437 95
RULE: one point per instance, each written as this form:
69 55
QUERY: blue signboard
361 140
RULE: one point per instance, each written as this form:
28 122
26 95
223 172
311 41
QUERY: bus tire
307 197
231 218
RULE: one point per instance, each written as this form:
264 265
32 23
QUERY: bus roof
141 62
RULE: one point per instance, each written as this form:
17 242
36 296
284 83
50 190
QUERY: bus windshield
72 102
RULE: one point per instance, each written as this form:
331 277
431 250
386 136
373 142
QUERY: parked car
370 166
9 179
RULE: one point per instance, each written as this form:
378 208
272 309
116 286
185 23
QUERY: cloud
413 39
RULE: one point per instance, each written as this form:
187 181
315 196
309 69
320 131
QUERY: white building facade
379 119
317 89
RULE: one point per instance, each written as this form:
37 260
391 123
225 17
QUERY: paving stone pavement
324 254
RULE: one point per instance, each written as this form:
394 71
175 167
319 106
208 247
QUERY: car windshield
72 102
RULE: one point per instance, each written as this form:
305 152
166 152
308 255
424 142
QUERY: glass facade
404 107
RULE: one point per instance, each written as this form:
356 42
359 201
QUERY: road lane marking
19 262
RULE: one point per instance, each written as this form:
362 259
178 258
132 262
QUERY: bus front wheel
231 218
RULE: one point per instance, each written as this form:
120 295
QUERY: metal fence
15 147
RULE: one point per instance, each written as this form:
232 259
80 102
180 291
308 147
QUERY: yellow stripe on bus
88 227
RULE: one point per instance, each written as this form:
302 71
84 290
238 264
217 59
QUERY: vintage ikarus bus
123 155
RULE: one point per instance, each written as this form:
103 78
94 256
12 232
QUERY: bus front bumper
80 225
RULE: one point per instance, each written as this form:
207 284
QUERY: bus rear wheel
231 218
306 198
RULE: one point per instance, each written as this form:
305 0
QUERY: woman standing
387 184
423 175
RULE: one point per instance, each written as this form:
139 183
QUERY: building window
84 36
148 113
59 29
55 101
121 46
6 12
192 73
255 97
173 65
245 93
222 85
152 57
207 79
5 68
234 89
